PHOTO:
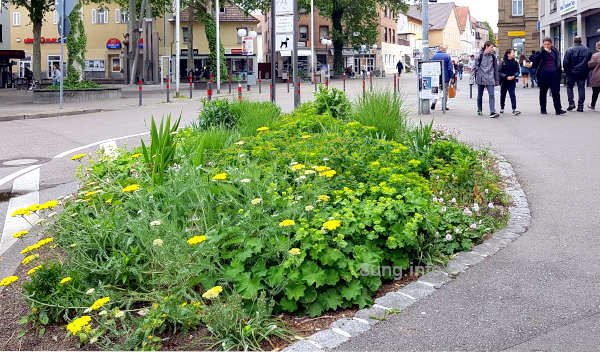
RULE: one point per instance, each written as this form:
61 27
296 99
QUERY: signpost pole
273 52
218 10
424 103
62 51
295 56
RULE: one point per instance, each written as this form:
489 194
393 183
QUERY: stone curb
343 329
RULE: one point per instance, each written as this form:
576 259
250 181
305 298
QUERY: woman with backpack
509 71
525 65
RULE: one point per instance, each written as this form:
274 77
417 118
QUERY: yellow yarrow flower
287 223
198 239
297 167
78 156
262 129
136 155
21 212
213 292
220 177
37 245
323 198
99 303
90 193
131 188
7 281
306 137
79 324
294 251
20 234
328 174
49 204
66 280
29 258
321 168
33 270
332 224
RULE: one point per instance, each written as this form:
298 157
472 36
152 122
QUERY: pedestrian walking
399 67
461 68
532 70
524 65
56 75
594 67
448 72
487 77
575 65
509 71
548 71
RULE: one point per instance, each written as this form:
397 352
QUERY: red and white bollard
240 91
190 81
140 91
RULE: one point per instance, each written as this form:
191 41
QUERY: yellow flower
35 207
287 223
220 177
21 212
321 168
131 188
262 129
29 258
79 324
78 156
328 174
400 149
414 162
294 251
37 245
198 239
256 201
90 193
99 303
332 224
7 281
306 137
297 167
109 201
33 270
20 234
66 280
213 292
323 198
136 155
48 204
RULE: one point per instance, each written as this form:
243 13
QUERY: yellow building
443 26
106 52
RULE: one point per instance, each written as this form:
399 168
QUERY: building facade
443 27
562 20
106 49
518 26
482 34
4 29
410 38
467 31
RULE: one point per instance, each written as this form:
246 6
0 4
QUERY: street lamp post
326 42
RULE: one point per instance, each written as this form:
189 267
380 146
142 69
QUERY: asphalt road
542 291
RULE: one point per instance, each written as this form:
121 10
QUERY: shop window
94 65
99 16
553 6
323 31
115 64
16 18
24 64
517 7
52 59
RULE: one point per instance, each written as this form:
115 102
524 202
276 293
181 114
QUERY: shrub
253 115
332 101
217 113
161 154
420 138
383 110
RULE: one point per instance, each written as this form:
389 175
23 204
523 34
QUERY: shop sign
113 43
43 40
567 6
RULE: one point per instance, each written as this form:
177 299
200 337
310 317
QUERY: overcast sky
483 10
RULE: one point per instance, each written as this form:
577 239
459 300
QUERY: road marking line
27 182
73 150
18 173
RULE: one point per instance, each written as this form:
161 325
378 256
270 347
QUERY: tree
354 23
36 9
491 35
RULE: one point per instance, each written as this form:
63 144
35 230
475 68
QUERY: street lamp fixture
326 42
242 32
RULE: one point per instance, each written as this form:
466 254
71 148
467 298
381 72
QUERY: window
553 6
323 31
303 36
95 65
16 18
99 16
517 7
121 16
385 34
116 64
24 63
185 31
543 7
52 59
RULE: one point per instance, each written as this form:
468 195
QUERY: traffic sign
284 24
284 7
67 27
64 9
284 41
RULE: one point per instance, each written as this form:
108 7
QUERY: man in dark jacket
399 67
575 64
448 72
548 72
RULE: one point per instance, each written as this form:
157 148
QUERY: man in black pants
548 72
575 64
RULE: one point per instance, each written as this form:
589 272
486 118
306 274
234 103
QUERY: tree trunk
36 60
338 37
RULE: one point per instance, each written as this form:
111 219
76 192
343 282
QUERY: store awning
12 54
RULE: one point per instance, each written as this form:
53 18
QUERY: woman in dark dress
509 71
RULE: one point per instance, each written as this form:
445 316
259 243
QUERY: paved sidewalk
541 292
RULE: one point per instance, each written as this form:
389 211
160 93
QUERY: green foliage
385 111
72 84
238 326
490 30
76 45
333 101
284 219
421 138
210 26
217 114
161 154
